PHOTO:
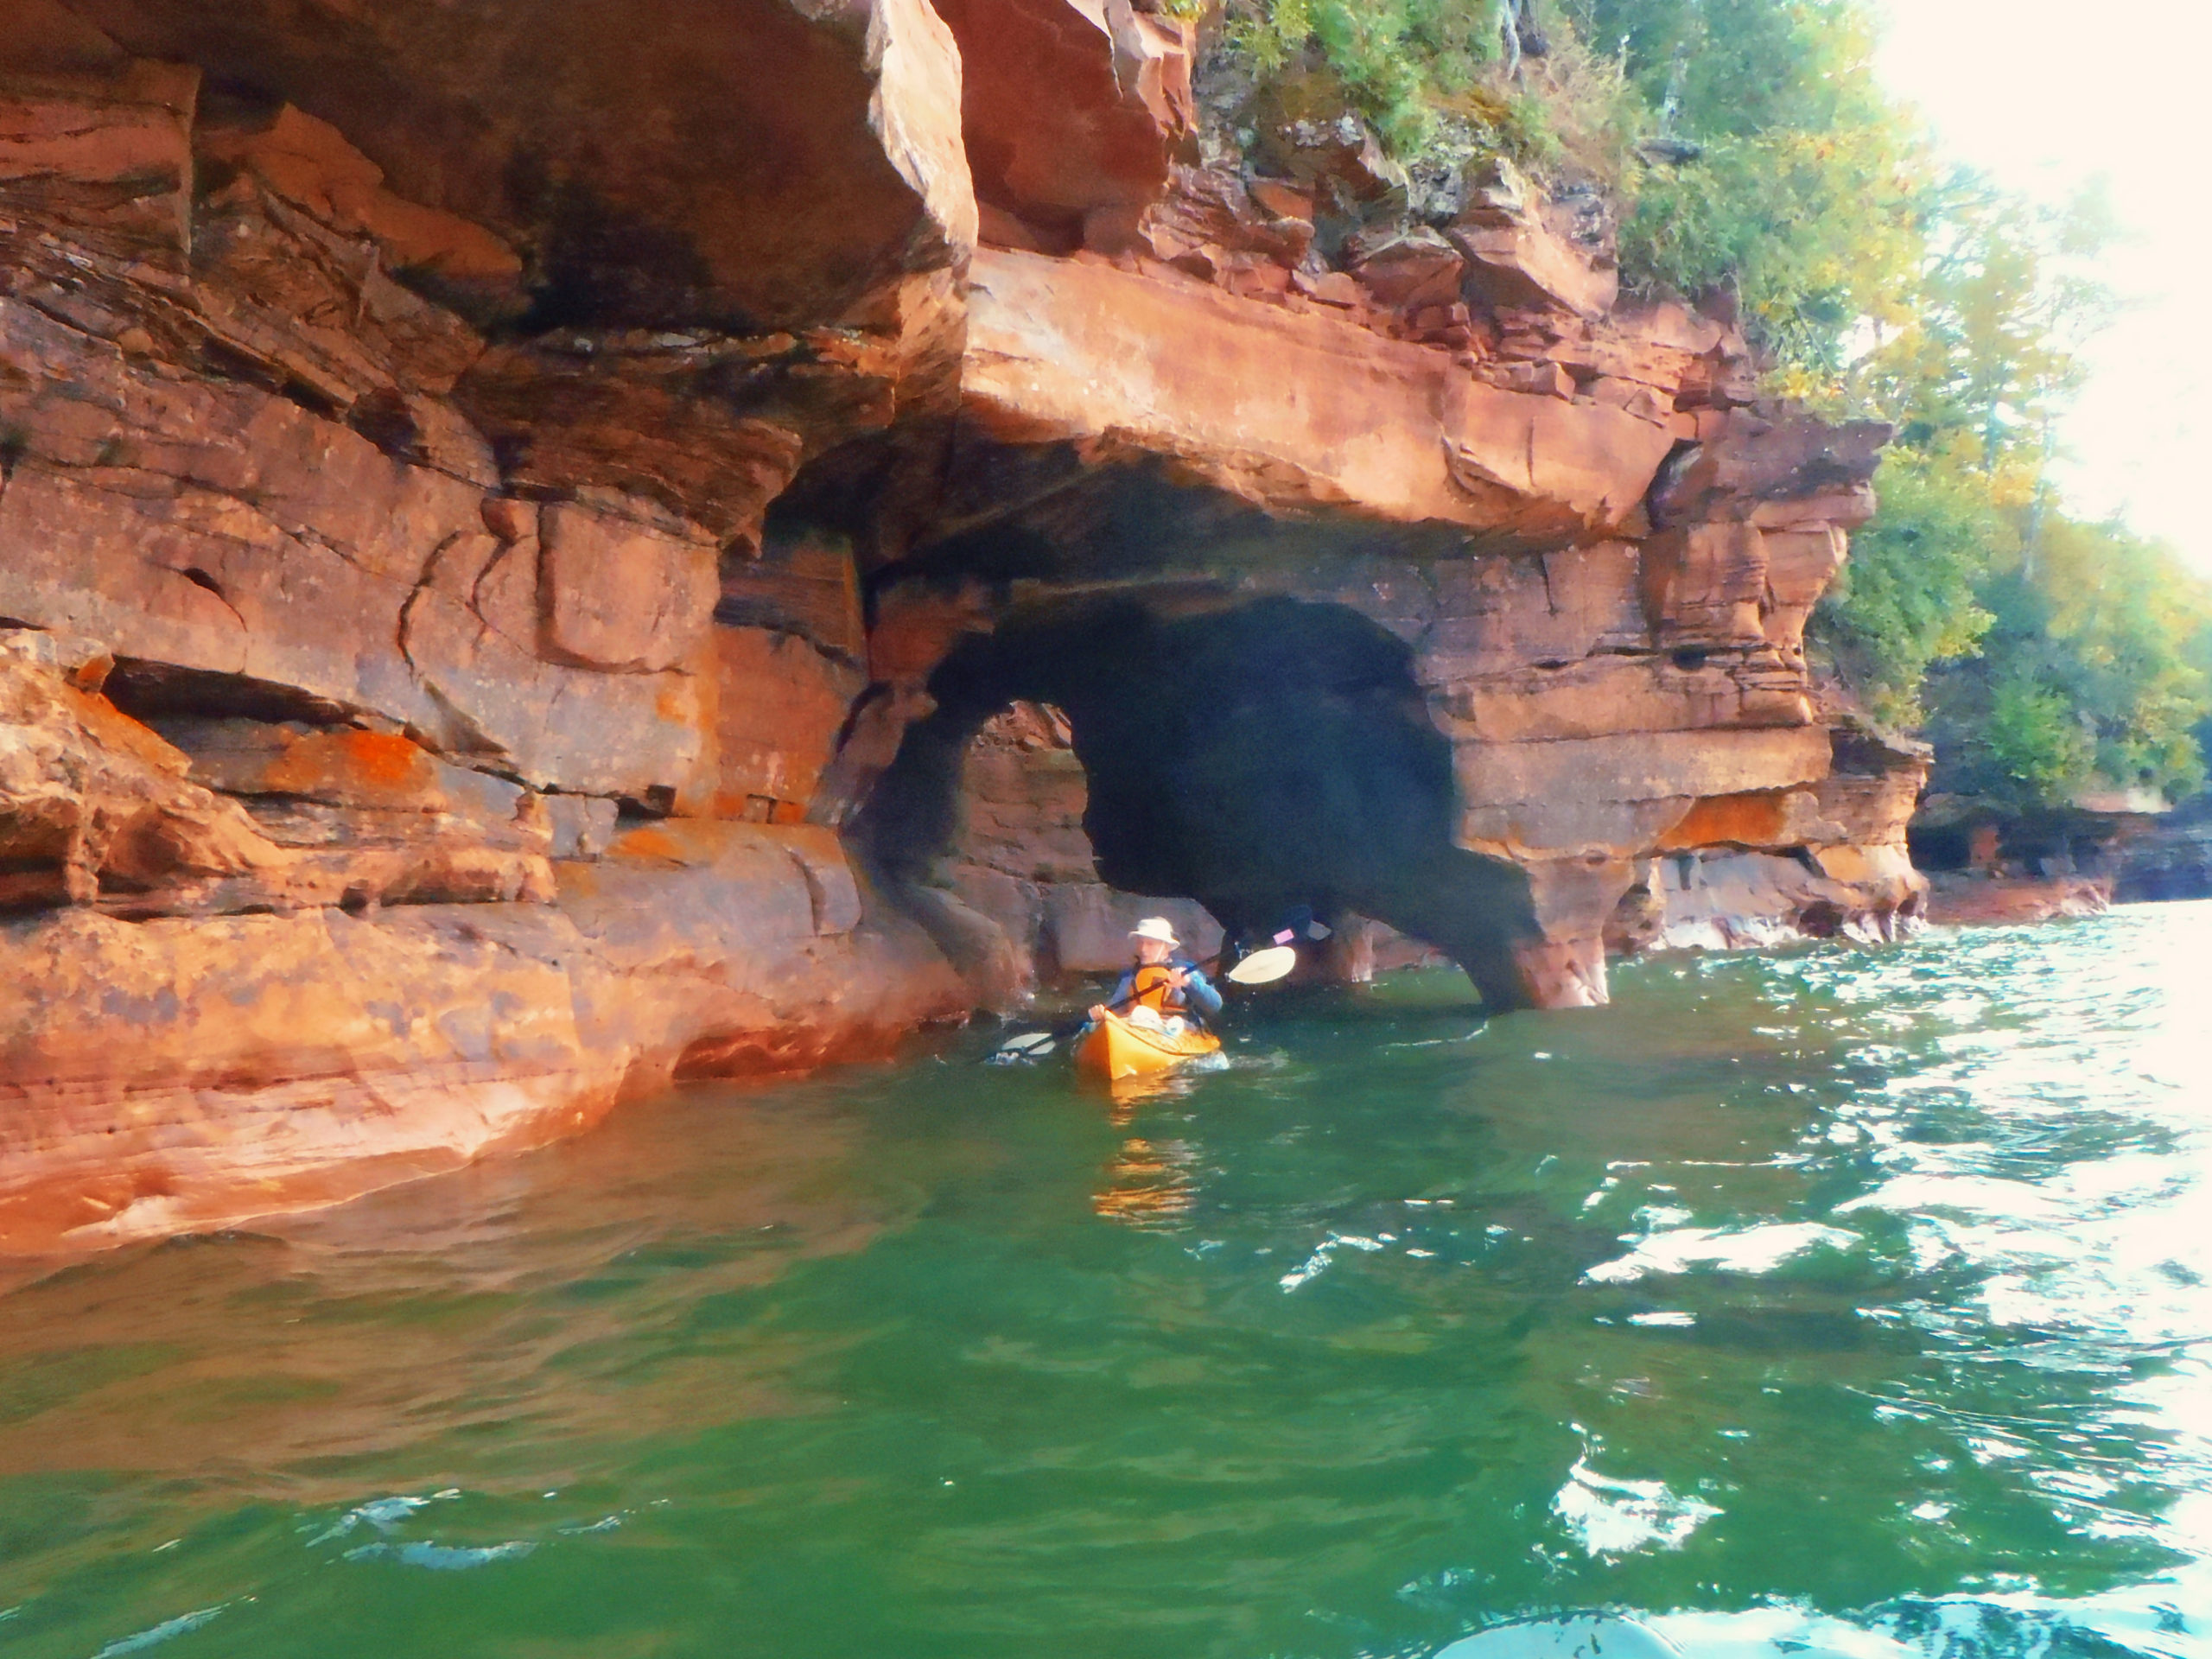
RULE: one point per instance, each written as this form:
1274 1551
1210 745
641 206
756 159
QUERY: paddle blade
1264 966
1028 1046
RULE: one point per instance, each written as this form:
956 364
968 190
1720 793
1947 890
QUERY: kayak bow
1114 1048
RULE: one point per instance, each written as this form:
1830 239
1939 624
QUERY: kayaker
1160 984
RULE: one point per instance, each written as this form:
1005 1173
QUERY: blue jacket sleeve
1126 984
1200 996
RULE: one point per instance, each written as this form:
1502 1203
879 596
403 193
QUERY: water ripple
1845 1303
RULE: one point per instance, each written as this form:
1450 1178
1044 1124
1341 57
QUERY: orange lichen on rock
1761 818
375 764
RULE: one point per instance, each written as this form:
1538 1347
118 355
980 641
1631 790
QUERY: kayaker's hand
1179 977
1098 1012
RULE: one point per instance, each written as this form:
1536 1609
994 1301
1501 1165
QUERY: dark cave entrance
1254 755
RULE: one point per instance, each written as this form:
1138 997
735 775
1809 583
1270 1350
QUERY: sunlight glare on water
1839 1303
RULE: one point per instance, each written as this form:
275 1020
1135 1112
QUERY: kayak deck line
1114 1048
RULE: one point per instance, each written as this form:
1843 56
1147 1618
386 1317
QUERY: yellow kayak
1116 1049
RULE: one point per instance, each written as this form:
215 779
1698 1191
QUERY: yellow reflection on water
1149 1184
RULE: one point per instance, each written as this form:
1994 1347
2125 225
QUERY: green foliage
2090 671
1397 61
2127 627
2092 676
2075 663
2034 747
1907 599
1806 197
1426 74
2047 658
1811 233
1984 350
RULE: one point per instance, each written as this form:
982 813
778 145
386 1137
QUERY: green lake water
1841 1302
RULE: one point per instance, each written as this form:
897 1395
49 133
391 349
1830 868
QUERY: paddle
1260 967
1263 967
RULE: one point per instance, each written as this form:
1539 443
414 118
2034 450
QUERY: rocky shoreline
539 558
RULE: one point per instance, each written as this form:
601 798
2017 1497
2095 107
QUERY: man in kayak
1161 988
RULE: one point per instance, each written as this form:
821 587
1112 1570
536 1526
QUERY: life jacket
1152 989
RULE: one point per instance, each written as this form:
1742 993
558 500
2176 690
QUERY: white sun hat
1156 927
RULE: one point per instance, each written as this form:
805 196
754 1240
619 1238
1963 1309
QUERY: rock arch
1250 753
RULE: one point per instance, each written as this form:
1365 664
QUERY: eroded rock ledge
520 529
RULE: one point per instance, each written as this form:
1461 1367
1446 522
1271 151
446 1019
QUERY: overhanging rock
475 479
1291 412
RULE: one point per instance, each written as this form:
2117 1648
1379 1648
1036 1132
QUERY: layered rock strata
1604 610
378 576
518 529
1759 869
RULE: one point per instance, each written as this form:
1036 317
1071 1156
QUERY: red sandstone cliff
488 494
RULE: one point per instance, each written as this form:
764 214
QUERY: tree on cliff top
1788 178
1972 372
1802 187
1750 150
2047 658
2091 674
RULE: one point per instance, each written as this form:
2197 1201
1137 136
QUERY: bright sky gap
2046 96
